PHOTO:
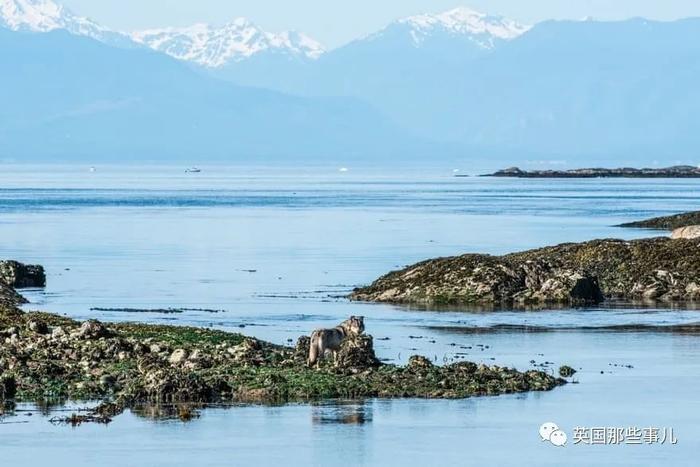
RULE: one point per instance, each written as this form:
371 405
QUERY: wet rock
38 327
566 371
691 231
301 350
418 362
93 329
18 275
568 274
356 352
107 381
667 222
8 387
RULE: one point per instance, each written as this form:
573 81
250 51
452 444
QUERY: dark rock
38 326
301 351
8 387
18 275
566 371
357 352
418 362
667 222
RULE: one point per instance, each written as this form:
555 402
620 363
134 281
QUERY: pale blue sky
334 22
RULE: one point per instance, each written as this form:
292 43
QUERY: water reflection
342 413
184 411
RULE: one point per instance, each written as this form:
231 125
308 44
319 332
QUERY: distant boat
343 169
193 170
93 169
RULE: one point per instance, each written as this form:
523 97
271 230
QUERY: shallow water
276 250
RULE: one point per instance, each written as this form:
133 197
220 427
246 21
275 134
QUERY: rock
691 231
301 351
675 221
356 352
566 371
418 362
93 329
677 171
107 381
178 356
18 276
568 274
57 332
8 387
38 327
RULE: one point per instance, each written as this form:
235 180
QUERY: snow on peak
44 16
483 29
213 47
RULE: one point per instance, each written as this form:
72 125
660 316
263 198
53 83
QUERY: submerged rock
18 275
567 274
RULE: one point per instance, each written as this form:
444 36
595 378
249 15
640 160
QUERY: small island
655 269
678 171
47 357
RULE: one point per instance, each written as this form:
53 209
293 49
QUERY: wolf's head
354 326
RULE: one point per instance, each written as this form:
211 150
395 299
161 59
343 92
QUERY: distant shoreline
678 171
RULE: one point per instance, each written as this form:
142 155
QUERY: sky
335 22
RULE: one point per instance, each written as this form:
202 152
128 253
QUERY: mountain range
458 85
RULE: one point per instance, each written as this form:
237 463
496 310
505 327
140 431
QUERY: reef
673 222
657 269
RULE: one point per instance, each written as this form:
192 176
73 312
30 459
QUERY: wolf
323 340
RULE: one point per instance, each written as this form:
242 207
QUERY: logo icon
550 432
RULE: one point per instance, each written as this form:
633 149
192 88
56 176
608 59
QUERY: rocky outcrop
678 171
17 275
673 222
44 355
575 273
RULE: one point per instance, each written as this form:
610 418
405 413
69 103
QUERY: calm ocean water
276 250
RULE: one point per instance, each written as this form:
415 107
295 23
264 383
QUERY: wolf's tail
313 348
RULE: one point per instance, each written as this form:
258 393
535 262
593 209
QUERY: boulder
18 275
419 362
357 352
93 329
689 232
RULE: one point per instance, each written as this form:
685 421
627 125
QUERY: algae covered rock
672 222
18 275
356 352
418 362
565 371
569 274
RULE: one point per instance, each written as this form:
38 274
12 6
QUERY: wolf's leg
313 349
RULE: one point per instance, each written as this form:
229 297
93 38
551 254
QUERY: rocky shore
678 171
676 221
49 357
656 269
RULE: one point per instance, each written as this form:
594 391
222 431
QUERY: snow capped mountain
484 30
214 47
45 16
